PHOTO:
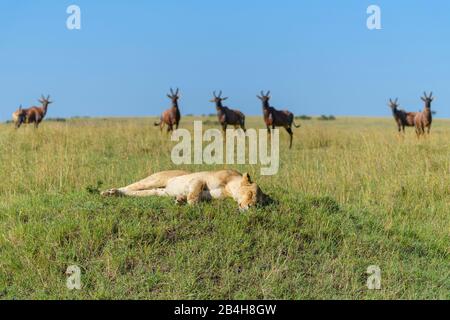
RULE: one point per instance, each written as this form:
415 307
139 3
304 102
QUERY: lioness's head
250 195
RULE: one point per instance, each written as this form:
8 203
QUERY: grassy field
352 193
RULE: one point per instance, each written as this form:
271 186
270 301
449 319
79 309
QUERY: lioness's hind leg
155 181
123 192
158 181
145 193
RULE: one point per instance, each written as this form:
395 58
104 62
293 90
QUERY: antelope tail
157 123
296 125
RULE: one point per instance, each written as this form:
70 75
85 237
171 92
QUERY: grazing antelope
402 118
172 116
32 115
227 116
276 118
424 119
19 117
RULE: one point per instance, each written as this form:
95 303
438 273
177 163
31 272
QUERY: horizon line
313 117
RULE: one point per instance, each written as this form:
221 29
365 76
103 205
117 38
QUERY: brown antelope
19 117
32 115
402 118
172 116
227 116
276 118
424 119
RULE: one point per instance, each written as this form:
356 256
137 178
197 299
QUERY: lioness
196 187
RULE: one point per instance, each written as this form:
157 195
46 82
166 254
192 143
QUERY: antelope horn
268 93
262 93
396 100
178 91
220 94
214 93
171 91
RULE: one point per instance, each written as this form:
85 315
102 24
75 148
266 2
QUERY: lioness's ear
246 180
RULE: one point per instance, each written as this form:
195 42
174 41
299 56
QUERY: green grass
352 193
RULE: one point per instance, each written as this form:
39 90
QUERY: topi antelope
32 115
276 118
227 116
424 119
402 118
172 116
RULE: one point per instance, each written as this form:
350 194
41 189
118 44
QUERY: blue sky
317 56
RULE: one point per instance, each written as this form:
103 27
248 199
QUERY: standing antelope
275 118
424 119
172 116
227 116
32 115
402 118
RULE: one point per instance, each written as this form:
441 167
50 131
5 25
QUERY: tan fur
197 187
19 117
16 117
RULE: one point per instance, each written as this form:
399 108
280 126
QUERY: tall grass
352 193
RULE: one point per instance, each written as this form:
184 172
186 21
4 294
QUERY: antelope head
45 101
218 99
428 100
174 96
393 104
264 98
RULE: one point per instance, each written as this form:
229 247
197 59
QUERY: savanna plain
351 193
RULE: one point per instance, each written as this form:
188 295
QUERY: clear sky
317 56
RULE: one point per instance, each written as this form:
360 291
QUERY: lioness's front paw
111 193
180 200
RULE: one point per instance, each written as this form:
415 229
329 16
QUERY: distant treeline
327 118
301 117
48 119
322 117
